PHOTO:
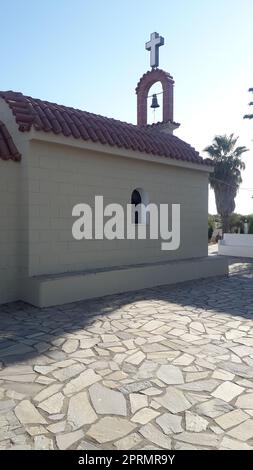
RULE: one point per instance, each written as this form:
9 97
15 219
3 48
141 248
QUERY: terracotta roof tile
59 119
8 150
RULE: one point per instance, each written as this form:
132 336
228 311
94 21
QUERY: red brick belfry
142 89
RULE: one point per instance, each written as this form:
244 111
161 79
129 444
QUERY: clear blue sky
90 54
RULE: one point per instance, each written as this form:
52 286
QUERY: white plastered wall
62 176
13 213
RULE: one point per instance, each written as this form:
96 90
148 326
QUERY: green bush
251 226
211 225
210 232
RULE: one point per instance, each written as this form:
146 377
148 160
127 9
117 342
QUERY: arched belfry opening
142 91
148 80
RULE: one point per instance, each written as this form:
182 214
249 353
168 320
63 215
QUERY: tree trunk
225 224
225 203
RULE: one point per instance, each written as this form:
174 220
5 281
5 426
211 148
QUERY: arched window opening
135 200
139 196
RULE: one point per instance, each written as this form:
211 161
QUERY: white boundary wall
236 245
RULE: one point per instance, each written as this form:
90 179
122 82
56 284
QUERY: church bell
154 103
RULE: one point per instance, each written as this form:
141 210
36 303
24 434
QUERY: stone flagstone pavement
164 368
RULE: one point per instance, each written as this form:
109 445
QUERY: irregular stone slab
57 427
243 432
242 351
18 350
44 370
70 346
189 337
245 383
158 356
201 385
237 369
174 400
177 332
216 429
152 391
170 424
234 334
6 405
80 412
222 375
57 355
194 397
146 370
88 343
14 395
100 365
200 438
107 338
154 338
19 378
47 392
144 415
16 370
27 389
43 443
194 422
245 341
136 358
245 401
110 428
85 379
213 408
35 430
198 326
231 419
184 360
154 347
107 401
42 347
205 363
68 372
170 375
135 387
27 413
83 353
184 446
64 441
151 433
227 391
152 325
137 401
44 380
56 417
128 442
85 445
228 443
195 376
53 404
118 375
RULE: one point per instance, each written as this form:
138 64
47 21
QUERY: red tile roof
70 122
8 150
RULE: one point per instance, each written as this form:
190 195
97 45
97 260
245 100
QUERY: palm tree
226 178
249 116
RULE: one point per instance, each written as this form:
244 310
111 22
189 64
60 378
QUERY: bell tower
150 78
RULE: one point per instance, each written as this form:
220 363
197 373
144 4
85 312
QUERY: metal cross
153 46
